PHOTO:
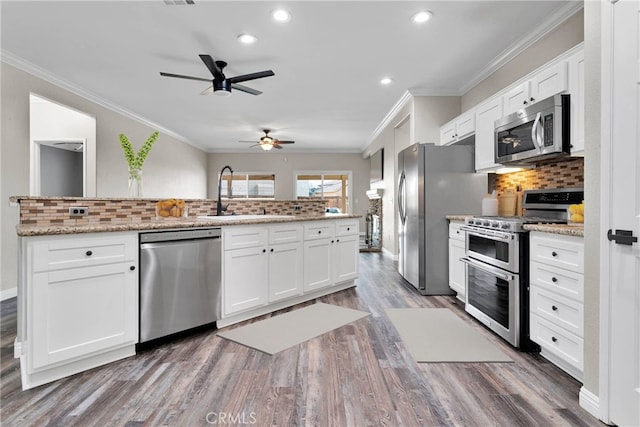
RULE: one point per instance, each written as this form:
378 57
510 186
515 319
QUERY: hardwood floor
357 375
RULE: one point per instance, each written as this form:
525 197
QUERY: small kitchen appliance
497 258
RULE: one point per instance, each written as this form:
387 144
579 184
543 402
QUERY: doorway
62 150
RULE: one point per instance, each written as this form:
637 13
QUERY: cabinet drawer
561 311
318 230
556 340
346 228
455 232
560 251
285 234
563 282
61 252
244 237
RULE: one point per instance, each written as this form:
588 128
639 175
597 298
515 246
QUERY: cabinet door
548 82
317 264
448 133
457 269
466 124
245 279
516 98
576 90
345 258
486 115
81 311
285 271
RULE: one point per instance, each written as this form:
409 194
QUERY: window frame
323 173
246 174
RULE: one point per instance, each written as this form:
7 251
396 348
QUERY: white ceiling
327 60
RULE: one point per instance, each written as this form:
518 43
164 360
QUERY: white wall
284 165
173 169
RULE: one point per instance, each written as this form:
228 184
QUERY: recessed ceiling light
385 81
247 38
281 15
422 16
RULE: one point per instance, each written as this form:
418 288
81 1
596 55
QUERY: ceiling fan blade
250 142
277 146
285 142
213 67
252 76
185 77
207 91
245 89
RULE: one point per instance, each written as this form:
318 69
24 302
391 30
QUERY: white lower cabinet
79 296
457 269
556 299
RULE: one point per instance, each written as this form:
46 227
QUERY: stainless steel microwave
535 132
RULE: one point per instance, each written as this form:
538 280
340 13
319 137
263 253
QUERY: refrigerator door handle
402 208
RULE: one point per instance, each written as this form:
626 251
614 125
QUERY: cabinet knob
532 99
554 308
525 102
264 250
133 267
337 240
332 241
271 250
89 253
554 339
554 253
554 279
319 231
348 228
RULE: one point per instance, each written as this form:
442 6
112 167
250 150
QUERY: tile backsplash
563 173
44 211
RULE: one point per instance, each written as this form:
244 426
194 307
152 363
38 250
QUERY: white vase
135 183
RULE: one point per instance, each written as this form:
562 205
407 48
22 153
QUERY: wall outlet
297 208
78 211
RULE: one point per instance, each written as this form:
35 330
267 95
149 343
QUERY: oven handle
487 268
490 234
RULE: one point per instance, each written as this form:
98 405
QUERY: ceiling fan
267 142
222 85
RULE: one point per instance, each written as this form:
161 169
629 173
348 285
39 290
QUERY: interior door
621 185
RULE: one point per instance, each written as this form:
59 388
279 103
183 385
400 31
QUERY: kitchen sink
232 218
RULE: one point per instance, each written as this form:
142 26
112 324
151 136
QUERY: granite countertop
163 224
568 230
458 217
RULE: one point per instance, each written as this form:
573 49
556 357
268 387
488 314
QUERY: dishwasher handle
174 235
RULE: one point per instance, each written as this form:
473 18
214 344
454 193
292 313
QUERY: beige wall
284 165
592 59
561 39
173 169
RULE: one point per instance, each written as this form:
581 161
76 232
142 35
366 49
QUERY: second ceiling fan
267 142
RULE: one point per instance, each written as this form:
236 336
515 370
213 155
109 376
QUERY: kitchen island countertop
27 230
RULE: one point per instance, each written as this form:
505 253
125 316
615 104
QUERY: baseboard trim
8 293
589 402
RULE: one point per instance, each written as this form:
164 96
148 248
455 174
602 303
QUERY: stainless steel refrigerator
434 181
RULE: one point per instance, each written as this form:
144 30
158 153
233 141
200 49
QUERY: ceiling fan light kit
267 142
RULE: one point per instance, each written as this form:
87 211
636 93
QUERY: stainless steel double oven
497 259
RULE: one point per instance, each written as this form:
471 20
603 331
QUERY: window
249 185
332 187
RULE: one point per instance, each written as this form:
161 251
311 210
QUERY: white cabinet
79 294
330 253
576 90
285 261
457 269
547 82
557 299
261 264
486 115
459 128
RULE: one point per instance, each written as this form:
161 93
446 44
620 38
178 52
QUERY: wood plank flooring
357 375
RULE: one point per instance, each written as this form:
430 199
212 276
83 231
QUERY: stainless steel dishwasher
180 281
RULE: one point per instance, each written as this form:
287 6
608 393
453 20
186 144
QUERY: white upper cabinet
543 84
458 129
486 115
576 90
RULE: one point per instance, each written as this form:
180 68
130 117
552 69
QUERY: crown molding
406 97
545 27
32 69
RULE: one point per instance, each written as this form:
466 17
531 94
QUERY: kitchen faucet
219 207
